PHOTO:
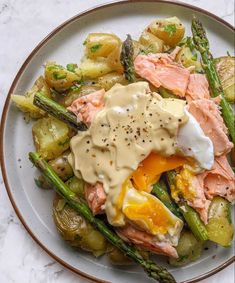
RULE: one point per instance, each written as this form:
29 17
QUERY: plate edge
6 107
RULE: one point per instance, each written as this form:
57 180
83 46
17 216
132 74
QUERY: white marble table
23 24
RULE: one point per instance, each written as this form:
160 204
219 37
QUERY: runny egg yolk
151 168
147 212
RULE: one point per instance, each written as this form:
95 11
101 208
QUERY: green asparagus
151 268
190 215
126 59
160 191
58 111
202 44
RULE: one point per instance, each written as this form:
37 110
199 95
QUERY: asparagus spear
202 44
160 191
190 215
151 268
58 111
126 59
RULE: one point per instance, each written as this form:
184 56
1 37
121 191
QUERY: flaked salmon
198 87
86 107
219 181
161 70
146 241
207 113
96 197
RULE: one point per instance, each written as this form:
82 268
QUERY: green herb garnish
85 42
71 67
171 29
194 57
94 48
58 76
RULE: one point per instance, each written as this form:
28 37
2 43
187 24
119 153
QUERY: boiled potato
101 44
77 186
25 102
151 43
220 228
188 59
170 30
74 94
225 67
118 258
59 78
61 166
113 60
94 68
189 249
76 230
109 80
51 137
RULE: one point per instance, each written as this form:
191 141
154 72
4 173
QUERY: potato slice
25 102
151 43
51 137
109 80
225 67
101 44
59 78
170 30
220 227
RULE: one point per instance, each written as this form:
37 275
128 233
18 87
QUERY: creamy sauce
133 123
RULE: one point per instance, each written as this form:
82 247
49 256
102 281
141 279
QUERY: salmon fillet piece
160 70
146 241
219 181
200 203
207 113
96 197
198 87
86 107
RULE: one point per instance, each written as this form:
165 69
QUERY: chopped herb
58 76
94 48
71 67
194 57
76 87
54 67
187 41
85 42
171 29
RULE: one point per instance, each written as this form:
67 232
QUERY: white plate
34 206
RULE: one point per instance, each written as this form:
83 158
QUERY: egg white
139 198
192 142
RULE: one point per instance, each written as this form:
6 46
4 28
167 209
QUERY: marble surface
23 23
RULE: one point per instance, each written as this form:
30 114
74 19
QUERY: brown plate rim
6 106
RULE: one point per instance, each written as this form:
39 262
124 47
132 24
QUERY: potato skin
74 94
109 80
61 166
101 44
151 43
25 102
51 137
76 230
220 228
59 78
189 249
170 30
